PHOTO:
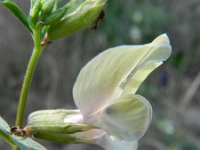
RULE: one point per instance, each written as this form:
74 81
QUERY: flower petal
89 136
110 143
117 71
133 81
148 64
126 118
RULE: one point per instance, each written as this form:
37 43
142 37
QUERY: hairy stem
28 77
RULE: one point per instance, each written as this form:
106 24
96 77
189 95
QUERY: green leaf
21 142
15 9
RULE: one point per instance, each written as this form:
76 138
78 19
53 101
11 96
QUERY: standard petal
134 80
126 118
117 71
161 51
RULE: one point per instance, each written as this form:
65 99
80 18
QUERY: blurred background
173 89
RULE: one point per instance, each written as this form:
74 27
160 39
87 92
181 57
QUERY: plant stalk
28 78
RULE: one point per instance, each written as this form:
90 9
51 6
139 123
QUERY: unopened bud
34 13
83 16
47 8
56 16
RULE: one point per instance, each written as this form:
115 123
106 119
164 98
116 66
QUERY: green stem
28 77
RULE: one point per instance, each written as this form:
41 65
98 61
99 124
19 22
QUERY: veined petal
126 118
110 143
134 80
100 138
89 136
161 51
117 71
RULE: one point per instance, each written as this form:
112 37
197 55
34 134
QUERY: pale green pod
82 17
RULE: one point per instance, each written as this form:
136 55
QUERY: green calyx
45 123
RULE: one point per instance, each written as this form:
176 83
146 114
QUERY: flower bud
84 15
54 17
47 8
34 13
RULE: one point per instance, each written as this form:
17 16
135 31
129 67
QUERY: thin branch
190 93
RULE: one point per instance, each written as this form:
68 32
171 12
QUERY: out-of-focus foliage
138 21
173 89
